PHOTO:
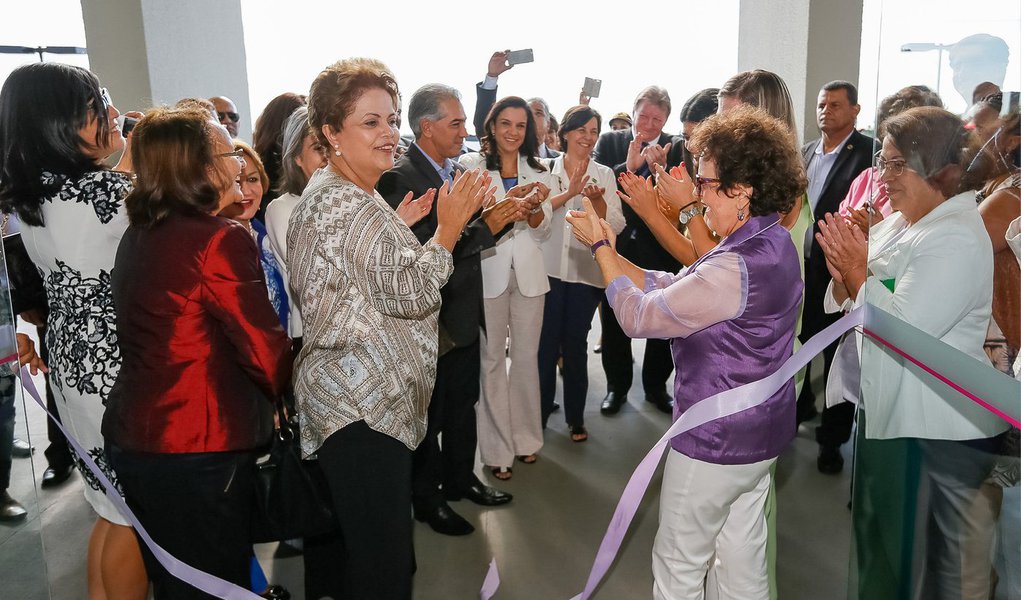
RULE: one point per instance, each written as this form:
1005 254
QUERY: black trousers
618 360
198 507
371 557
57 454
836 422
452 413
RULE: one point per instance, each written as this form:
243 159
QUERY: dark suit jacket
484 101
855 157
461 313
636 242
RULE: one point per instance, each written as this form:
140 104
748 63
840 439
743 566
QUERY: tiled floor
543 542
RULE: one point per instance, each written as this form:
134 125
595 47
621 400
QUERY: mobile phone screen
592 87
518 57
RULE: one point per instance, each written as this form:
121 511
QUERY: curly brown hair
335 91
752 148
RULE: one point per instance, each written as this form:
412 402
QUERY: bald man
228 114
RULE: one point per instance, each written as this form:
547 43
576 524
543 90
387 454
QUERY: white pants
509 418
711 512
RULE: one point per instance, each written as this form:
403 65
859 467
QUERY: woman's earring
336 150
740 213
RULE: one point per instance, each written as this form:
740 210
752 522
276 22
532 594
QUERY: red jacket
203 350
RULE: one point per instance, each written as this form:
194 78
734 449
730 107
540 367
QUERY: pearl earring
336 150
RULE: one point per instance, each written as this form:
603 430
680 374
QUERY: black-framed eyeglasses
239 153
894 167
701 182
233 117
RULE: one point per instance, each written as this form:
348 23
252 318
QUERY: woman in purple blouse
730 318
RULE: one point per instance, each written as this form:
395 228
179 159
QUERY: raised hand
584 98
457 203
675 187
498 64
412 211
846 250
655 154
635 157
578 178
588 228
863 218
500 214
639 194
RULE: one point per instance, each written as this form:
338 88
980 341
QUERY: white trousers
509 417
711 512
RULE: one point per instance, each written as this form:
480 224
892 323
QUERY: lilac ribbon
491 583
201 580
714 407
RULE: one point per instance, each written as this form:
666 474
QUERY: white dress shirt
566 258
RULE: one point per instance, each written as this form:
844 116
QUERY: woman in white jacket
929 264
576 285
514 285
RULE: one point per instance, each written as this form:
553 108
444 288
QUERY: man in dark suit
832 162
437 118
636 149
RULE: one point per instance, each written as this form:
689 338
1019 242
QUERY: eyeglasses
239 153
105 95
894 167
701 182
232 116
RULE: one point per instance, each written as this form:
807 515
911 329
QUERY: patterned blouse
370 297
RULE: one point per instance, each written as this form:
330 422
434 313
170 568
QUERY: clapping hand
457 203
846 250
675 187
864 217
412 211
635 157
639 194
588 228
654 154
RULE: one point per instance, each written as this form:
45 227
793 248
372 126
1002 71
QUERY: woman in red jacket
204 352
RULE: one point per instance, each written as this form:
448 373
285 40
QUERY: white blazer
941 269
519 250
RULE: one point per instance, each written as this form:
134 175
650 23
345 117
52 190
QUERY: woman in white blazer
514 284
931 265
576 285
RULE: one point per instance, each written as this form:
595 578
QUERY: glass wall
936 503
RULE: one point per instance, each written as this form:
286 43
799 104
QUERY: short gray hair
296 129
545 107
425 104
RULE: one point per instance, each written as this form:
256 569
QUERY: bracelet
598 245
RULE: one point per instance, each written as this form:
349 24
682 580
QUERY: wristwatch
688 212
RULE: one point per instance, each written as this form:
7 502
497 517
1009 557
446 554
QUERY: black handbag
289 503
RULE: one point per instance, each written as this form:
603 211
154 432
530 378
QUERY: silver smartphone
517 57
592 87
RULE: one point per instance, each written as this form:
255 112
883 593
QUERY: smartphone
127 124
592 87
518 57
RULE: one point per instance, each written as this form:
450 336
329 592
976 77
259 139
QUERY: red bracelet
598 245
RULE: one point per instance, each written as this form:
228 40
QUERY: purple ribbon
209 584
491 583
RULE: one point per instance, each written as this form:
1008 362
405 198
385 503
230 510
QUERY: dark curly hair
529 147
752 148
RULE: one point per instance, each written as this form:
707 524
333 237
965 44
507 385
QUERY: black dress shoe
21 449
830 460
661 400
11 509
612 403
276 592
445 521
479 493
54 476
